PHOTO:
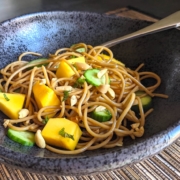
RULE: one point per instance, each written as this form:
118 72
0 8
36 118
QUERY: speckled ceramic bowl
47 31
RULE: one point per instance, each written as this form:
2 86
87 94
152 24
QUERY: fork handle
171 21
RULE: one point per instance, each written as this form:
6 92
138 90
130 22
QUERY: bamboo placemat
129 12
164 165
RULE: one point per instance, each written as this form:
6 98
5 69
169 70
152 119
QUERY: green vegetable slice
91 77
38 61
22 137
46 120
79 83
101 116
146 102
80 50
66 95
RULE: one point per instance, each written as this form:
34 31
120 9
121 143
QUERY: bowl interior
48 31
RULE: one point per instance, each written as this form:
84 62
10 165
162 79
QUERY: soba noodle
124 82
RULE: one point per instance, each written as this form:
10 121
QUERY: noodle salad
79 98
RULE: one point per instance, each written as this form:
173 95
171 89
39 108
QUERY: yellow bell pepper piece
53 133
11 104
107 58
64 70
45 96
79 59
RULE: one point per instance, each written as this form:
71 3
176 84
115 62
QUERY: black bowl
47 31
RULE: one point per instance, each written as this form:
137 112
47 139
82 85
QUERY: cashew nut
64 88
23 113
82 66
111 93
43 81
40 142
100 108
6 122
101 73
53 80
103 88
73 100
